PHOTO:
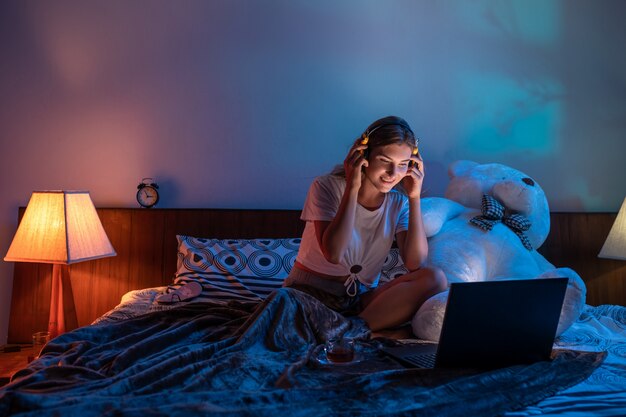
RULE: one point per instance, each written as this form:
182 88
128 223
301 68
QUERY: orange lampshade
59 227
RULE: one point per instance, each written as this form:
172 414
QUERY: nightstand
11 362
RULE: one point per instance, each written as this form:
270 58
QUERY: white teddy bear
468 246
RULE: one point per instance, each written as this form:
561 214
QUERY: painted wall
240 103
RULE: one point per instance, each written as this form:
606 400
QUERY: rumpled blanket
260 360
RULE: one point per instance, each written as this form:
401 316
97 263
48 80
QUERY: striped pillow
245 269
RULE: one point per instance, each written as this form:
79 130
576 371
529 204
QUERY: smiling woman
352 219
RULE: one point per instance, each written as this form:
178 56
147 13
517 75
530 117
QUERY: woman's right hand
354 163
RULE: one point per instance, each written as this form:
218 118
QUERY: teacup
339 350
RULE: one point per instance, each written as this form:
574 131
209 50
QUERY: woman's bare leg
396 302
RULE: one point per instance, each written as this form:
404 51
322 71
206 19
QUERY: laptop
492 324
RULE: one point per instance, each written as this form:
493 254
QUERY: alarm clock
147 193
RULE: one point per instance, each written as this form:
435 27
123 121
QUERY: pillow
247 269
393 267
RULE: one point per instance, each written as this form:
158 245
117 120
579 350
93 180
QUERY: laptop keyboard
423 360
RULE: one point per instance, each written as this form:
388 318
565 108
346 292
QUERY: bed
246 346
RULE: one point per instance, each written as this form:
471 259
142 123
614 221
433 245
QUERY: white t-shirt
372 237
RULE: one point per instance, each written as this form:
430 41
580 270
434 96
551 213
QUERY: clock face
147 196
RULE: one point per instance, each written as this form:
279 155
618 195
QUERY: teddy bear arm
436 211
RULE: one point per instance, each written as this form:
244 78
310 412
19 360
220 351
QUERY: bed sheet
250 358
599 329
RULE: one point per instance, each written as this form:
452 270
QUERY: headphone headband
366 135
401 124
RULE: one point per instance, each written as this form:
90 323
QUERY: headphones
366 135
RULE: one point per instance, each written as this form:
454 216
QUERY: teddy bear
488 227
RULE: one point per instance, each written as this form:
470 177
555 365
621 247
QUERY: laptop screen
496 323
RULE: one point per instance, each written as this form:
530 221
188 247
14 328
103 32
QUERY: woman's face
388 165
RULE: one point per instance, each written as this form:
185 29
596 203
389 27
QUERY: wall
241 103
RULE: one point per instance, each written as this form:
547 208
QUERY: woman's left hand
412 182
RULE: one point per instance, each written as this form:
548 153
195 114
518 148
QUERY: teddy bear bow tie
493 212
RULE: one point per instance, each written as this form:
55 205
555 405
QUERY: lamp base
62 308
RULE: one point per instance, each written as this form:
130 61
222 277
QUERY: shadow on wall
435 170
169 191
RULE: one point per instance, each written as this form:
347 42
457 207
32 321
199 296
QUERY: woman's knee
436 277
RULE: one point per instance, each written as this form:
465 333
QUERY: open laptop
492 324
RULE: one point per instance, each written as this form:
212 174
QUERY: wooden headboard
145 241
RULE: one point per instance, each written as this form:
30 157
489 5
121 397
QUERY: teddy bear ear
461 167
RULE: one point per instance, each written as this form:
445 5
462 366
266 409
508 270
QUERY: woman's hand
414 178
354 163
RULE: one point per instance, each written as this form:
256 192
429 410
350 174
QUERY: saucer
320 357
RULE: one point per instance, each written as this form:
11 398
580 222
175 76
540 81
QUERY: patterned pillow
246 269
393 266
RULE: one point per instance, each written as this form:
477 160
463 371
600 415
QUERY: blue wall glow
502 115
529 21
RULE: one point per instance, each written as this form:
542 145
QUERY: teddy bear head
516 191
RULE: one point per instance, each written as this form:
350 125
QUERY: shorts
331 293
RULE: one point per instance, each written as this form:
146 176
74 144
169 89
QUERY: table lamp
615 244
61 228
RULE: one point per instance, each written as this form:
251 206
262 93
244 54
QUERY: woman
352 217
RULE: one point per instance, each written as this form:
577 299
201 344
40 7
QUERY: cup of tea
339 350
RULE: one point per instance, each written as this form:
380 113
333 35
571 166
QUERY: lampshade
59 227
615 244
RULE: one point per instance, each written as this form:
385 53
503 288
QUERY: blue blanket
260 360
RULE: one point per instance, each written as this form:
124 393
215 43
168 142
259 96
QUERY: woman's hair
386 131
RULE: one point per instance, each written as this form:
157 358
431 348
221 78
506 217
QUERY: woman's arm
412 243
334 236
